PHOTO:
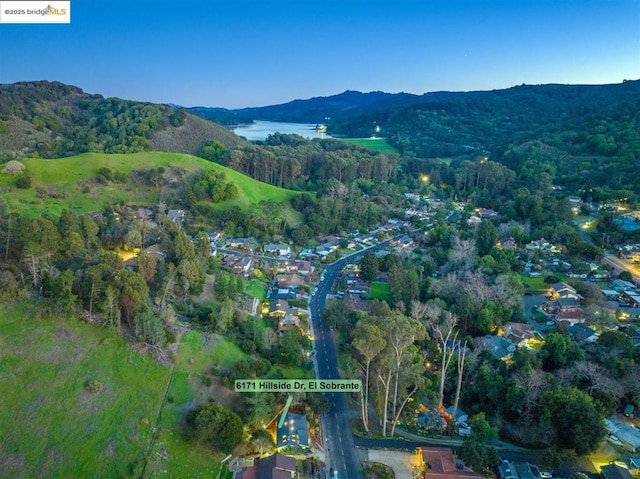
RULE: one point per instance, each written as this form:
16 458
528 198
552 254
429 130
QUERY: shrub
94 386
171 337
24 182
106 173
13 167
207 381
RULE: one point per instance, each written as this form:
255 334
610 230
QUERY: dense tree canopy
216 426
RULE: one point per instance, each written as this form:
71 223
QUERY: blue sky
236 53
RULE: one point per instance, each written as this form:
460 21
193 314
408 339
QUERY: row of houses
564 305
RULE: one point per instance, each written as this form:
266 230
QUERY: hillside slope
52 426
72 182
52 119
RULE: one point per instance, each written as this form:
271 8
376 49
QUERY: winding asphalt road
338 439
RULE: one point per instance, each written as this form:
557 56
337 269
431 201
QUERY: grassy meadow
172 455
68 181
51 426
375 144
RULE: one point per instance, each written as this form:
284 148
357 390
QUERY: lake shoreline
259 130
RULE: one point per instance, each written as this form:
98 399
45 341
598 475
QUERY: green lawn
293 372
65 175
256 289
173 456
195 356
51 426
376 144
379 291
533 283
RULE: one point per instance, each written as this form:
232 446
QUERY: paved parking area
400 462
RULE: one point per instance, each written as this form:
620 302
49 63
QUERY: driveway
401 462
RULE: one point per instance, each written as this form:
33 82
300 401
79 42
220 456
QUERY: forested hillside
50 119
584 136
314 110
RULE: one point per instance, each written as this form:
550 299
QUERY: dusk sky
237 53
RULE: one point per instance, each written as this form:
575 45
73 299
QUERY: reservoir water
259 130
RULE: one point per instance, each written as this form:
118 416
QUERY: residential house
243 266
245 244
507 243
177 216
303 268
461 416
275 249
500 347
156 251
571 317
281 293
576 203
628 435
279 308
275 466
520 334
563 290
610 294
615 471
561 304
288 321
430 419
526 470
325 249
506 470
474 220
413 197
621 285
294 431
214 236
581 333
518 470
440 463
632 298
564 309
487 214
541 244
229 261
289 280
308 254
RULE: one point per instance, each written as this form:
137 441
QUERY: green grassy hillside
67 183
51 426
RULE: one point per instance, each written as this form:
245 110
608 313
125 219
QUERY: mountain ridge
53 119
